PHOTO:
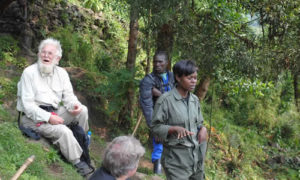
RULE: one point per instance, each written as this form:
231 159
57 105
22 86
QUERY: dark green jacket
172 110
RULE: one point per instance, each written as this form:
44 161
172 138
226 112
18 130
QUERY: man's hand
156 92
180 131
202 135
55 119
76 110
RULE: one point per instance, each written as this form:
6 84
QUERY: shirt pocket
42 94
177 119
178 115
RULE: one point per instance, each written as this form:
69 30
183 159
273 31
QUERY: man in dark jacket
151 87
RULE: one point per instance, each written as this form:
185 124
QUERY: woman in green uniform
178 122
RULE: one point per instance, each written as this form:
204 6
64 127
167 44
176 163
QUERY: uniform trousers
184 163
60 135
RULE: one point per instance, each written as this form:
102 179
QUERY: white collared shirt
36 89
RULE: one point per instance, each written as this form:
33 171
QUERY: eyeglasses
47 53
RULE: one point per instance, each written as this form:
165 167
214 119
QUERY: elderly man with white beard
48 104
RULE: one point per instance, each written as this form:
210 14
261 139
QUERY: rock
279 159
94 27
297 160
294 162
45 16
98 21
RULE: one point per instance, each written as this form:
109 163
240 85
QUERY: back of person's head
184 67
122 155
51 41
161 53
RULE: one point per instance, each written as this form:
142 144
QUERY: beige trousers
61 135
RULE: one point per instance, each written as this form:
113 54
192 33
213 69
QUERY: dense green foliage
250 49
8 51
9 62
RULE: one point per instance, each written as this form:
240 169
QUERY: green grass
96 148
239 146
15 149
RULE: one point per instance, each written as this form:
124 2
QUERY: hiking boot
157 167
83 168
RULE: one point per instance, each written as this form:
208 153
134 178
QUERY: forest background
247 51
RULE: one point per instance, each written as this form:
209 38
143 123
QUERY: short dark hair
184 67
161 53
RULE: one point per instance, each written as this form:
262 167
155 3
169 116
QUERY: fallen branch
23 167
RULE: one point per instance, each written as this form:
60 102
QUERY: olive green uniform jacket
182 158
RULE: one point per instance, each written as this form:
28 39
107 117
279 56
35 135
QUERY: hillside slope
94 54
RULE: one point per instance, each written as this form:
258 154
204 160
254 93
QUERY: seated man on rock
48 104
121 159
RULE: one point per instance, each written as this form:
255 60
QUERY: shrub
285 85
103 61
8 89
77 51
8 52
8 47
251 102
264 114
287 128
114 89
95 5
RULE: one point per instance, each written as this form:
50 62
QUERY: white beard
46 68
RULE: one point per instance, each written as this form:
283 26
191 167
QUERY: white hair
54 42
122 155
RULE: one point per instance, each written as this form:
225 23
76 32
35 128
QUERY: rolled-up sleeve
159 125
27 95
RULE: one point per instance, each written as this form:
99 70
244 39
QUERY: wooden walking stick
137 124
23 167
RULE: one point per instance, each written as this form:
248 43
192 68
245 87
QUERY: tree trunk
132 43
164 41
148 49
297 91
126 113
202 88
147 71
